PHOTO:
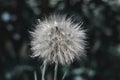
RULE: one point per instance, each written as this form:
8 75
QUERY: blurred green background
101 19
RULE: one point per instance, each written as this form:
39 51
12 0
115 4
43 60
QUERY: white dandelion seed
57 39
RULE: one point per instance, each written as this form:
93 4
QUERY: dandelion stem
35 75
43 70
55 71
65 74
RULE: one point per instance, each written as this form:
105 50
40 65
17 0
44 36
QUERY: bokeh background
101 19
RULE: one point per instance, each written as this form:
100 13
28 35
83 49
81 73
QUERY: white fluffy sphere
57 39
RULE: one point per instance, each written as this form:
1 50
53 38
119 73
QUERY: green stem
35 75
65 73
55 71
43 70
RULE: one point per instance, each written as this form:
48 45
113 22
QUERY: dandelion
58 40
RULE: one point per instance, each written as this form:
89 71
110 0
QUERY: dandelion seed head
57 39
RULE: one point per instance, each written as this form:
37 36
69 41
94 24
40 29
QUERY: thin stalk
35 75
65 73
55 71
43 70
